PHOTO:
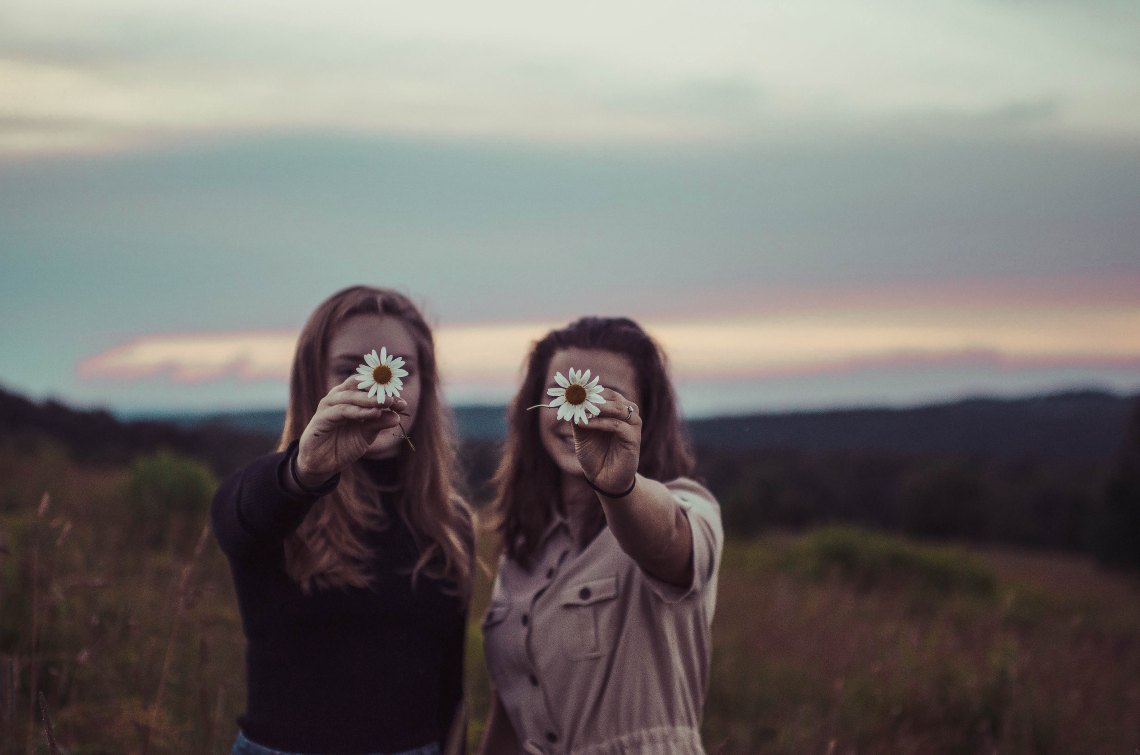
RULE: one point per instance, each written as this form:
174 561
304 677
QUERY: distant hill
1076 424
101 438
1028 471
473 422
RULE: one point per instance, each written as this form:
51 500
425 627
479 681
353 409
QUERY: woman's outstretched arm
647 521
650 525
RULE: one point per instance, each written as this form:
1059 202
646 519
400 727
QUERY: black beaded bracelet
622 494
321 489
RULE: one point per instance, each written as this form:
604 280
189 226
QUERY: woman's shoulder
695 499
687 487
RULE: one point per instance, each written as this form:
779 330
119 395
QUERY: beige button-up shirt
590 655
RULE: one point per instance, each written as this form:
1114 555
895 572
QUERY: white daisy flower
380 375
577 397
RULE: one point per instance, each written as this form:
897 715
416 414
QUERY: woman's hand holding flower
345 424
609 447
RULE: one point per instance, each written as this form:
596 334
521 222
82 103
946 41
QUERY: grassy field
833 641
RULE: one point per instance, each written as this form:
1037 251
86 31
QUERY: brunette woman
351 553
597 635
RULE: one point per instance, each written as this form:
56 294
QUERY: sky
809 205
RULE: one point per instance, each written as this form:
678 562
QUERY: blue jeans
244 746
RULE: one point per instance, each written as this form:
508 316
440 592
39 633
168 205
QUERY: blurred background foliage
870 601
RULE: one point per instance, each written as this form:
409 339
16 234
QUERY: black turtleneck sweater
345 670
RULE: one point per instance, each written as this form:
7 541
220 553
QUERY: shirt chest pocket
497 643
590 620
496 612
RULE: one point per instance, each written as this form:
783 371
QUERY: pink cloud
195 357
908 360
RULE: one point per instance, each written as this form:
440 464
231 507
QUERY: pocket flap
495 613
586 593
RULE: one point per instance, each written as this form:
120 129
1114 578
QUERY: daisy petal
555 391
558 378
585 377
590 385
558 401
592 409
372 390
371 359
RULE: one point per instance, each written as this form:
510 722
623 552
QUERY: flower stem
404 435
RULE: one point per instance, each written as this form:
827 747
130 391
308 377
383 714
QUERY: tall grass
841 641
123 640
834 641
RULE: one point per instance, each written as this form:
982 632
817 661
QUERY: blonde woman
597 637
351 553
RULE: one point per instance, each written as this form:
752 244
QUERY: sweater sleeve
253 513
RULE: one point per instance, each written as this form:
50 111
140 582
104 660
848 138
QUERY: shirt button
551 737
525 619
584 593
533 680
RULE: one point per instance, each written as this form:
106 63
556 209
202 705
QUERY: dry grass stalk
33 669
181 602
9 673
49 728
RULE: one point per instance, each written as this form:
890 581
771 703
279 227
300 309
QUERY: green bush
872 560
168 497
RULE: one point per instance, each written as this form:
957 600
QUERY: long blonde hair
327 549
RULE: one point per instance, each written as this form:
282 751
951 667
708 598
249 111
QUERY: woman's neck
384 473
578 503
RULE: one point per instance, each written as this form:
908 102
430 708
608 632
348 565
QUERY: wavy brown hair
327 549
528 483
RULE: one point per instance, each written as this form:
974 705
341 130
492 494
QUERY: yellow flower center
382 374
575 394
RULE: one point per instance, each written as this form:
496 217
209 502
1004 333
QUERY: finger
349 383
613 397
361 398
342 413
609 394
614 425
618 407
